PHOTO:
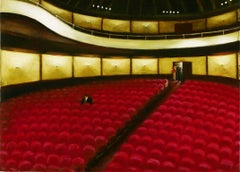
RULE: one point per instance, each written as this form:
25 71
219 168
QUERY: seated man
86 99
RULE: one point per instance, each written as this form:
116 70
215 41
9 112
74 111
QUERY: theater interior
163 76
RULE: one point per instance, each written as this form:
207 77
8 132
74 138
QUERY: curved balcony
69 30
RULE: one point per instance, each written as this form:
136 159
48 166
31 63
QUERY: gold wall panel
222 20
17 67
116 66
56 67
144 27
64 14
63 29
222 65
87 66
167 26
198 25
145 66
89 22
116 25
36 1
238 15
198 64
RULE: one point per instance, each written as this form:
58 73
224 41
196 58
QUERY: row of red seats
179 137
51 130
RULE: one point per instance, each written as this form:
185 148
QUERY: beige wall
144 65
144 27
116 25
116 66
222 65
89 22
141 27
56 67
87 66
198 64
17 67
222 20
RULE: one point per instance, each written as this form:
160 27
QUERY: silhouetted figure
86 99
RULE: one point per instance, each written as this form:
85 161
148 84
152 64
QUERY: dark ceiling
147 9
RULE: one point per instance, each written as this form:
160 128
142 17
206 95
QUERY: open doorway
182 70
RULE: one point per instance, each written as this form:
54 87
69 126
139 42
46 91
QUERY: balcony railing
140 36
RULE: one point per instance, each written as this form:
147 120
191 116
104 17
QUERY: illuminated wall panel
238 15
222 20
116 66
167 26
56 67
87 21
198 25
36 1
66 15
145 66
150 27
222 65
198 64
116 25
87 66
19 67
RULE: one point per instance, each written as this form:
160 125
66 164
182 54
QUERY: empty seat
25 166
53 160
153 164
88 152
40 158
226 164
136 160
78 162
39 167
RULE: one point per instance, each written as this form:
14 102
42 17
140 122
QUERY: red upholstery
193 130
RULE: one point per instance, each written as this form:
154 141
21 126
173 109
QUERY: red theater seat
10 164
136 160
226 164
25 166
121 157
39 167
88 152
40 158
65 161
78 163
